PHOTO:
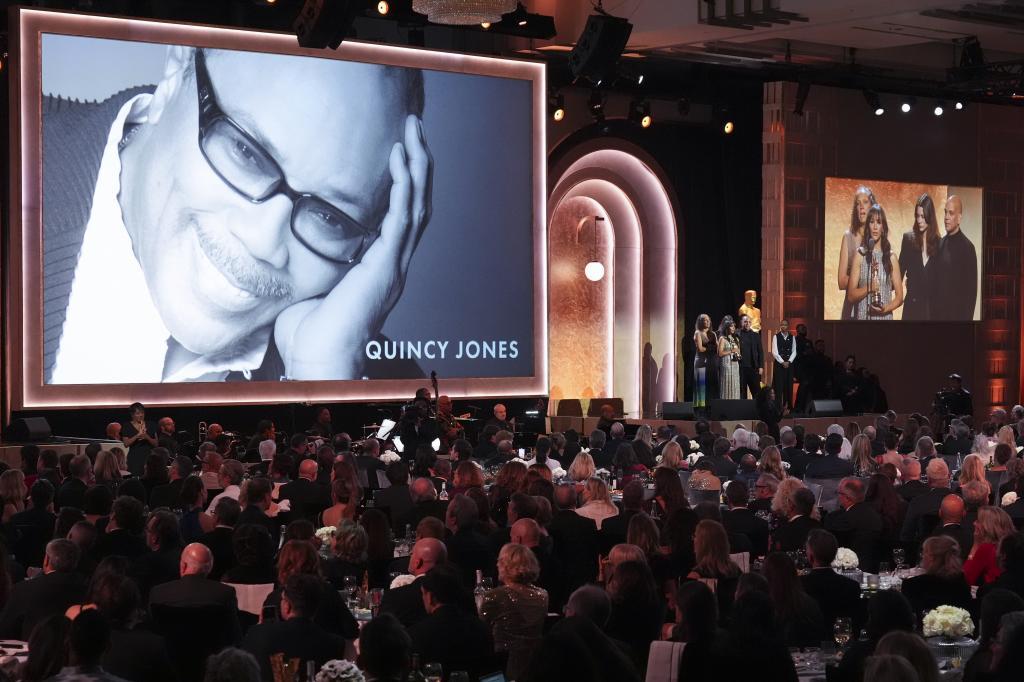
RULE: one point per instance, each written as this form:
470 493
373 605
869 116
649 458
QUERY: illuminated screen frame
24 378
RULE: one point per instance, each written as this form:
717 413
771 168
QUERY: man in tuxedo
500 421
219 539
959 441
856 524
296 636
48 594
527 532
599 449
957 269
829 466
424 503
616 437
194 589
575 539
258 501
792 535
836 595
910 473
751 359
161 563
952 514
924 508
395 498
72 491
487 446
35 525
123 534
450 634
784 354
720 462
169 494
796 456
406 602
468 548
741 520
308 498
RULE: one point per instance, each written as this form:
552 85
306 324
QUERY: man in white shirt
231 231
231 474
784 352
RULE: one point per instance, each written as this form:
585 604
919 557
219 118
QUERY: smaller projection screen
218 215
902 251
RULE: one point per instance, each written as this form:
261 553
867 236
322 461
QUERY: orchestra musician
447 425
500 419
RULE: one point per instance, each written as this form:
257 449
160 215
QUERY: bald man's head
526 532
953 212
427 553
422 490
308 469
196 559
952 509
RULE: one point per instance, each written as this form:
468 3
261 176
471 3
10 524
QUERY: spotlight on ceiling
640 113
907 104
959 106
383 8
596 105
728 127
874 102
556 104
940 108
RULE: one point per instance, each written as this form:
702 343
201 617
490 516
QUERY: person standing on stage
450 429
863 200
918 249
728 356
751 358
956 277
876 285
784 352
803 366
705 342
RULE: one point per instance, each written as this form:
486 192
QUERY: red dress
982 568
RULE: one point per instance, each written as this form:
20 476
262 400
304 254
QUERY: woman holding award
876 285
729 356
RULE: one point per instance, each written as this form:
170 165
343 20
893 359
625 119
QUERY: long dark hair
882 496
883 240
925 202
723 326
855 225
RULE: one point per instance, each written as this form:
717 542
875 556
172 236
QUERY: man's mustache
240 267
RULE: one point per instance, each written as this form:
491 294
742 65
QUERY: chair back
364 481
663 661
828 498
817 489
382 480
251 597
741 559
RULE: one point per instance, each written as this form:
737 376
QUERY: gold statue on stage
750 309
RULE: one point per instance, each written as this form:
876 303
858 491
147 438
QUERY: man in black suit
796 456
836 595
616 437
396 498
792 535
308 498
956 269
952 512
925 508
368 460
742 521
528 533
169 494
487 446
751 358
258 496
50 593
856 524
424 503
959 441
406 602
34 526
613 530
910 473
72 491
830 466
162 563
449 634
721 463
599 451
124 532
500 421
575 539
468 548
194 590
296 636
219 539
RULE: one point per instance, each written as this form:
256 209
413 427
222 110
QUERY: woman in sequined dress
515 611
728 356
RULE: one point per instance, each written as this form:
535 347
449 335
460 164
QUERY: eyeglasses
246 167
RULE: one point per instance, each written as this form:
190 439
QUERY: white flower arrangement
326 533
694 445
558 473
390 456
1008 499
657 460
339 670
948 621
846 559
402 580
693 458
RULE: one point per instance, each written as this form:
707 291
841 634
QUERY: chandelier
463 12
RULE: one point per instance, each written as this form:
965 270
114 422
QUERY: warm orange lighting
559 114
383 7
486 25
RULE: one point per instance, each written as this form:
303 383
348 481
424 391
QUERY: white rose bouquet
326 533
1008 499
403 580
693 458
846 559
389 457
339 670
948 621
558 473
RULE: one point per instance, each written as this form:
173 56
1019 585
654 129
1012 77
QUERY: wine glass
899 555
884 568
842 631
433 672
349 585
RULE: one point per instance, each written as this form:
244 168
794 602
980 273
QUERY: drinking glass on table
349 585
433 672
842 631
884 568
899 555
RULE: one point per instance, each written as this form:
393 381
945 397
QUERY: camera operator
957 399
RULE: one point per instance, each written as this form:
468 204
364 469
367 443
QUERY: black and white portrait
219 215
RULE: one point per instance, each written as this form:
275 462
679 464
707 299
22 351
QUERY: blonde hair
582 467
517 564
993 525
13 489
711 549
940 555
106 468
596 489
972 469
771 463
623 552
860 453
1006 435
782 501
671 455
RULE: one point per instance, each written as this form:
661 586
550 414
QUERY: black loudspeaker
599 47
325 23
29 429
677 411
732 410
826 408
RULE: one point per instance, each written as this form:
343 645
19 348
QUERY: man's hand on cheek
324 338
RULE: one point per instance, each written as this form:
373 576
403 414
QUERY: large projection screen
208 215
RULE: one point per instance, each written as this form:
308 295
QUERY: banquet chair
251 597
663 661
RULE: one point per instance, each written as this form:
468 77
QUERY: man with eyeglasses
252 215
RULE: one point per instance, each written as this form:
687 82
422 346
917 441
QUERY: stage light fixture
596 105
383 8
907 105
486 25
520 16
728 127
802 90
557 106
640 113
594 271
959 106
940 108
874 102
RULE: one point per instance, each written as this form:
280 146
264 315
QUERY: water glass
842 631
899 555
433 672
884 568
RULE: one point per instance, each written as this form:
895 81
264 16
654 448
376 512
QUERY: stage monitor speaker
599 47
325 23
594 409
677 411
732 410
29 429
826 408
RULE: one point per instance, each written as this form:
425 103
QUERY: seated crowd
582 559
